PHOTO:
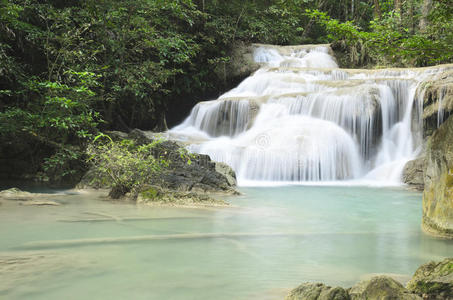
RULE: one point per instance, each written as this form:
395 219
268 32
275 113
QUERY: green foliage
390 43
127 166
150 193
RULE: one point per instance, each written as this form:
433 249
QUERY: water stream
300 118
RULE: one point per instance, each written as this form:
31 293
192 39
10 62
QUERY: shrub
127 167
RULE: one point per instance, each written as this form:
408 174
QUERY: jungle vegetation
70 69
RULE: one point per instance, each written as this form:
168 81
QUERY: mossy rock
437 93
380 288
434 279
155 195
438 194
317 291
150 193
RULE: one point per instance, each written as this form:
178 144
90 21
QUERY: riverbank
159 198
433 280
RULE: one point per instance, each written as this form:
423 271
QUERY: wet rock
117 135
240 65
317 291
40 203
155 195
15 194
196 173
433 280
413 173
438 194
19 270
226 171
380 288
437 94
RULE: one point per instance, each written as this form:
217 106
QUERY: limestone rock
438 194
437 94
380 288
434 280
15 194
20 197
41 203
317 291
226 171
413 173
240 65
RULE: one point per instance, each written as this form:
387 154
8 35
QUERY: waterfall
300 118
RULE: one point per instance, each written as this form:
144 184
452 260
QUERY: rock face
317 291
438 194
437 95
240 65
380 288
433 280
413 173
201 175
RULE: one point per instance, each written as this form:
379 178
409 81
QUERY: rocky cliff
438 193
433 170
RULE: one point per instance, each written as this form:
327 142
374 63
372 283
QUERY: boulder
186 172
433 280
380 288
26 198
15 194
413 173
438 194
317 291
226 171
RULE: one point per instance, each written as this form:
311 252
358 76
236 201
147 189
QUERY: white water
300 118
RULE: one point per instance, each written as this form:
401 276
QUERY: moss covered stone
434 280
154 195
150 193
380 288
317 291
438 194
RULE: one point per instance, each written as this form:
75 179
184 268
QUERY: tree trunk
352 9
377 9
411 17
398 6
426 9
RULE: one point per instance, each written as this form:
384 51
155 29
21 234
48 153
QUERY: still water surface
271 240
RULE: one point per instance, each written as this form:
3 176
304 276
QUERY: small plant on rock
123 165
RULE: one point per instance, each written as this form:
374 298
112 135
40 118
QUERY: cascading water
300 118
